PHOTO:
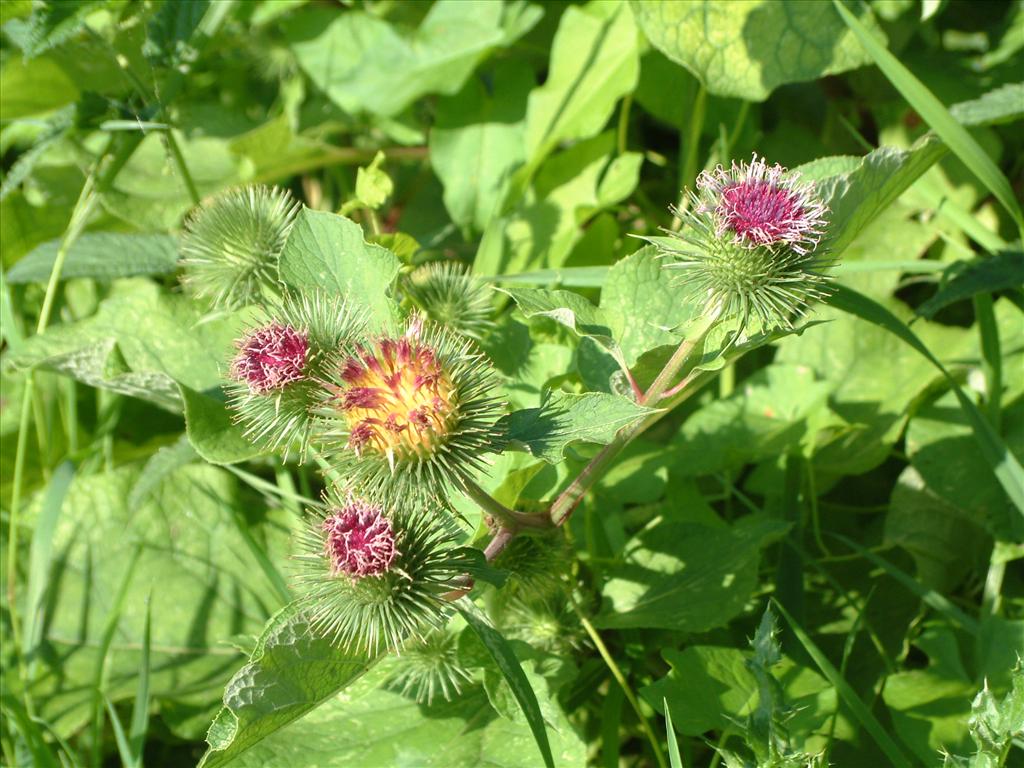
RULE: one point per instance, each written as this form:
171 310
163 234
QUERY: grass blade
933 112
140 710
847 694
674 759
508 664
995 452
123 749
41 553
109 628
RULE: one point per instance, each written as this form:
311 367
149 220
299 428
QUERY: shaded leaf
685 577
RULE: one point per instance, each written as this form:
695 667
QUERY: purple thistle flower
270 358
762 205
360 540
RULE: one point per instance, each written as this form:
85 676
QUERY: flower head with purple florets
761 206
359 539
750 243
270 358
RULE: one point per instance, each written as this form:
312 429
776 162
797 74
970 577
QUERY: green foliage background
861 476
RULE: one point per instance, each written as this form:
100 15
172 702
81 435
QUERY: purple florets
761 205
360 540
270 358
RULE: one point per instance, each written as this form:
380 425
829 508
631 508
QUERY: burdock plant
749 244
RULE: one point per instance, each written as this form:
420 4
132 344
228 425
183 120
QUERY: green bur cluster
401 420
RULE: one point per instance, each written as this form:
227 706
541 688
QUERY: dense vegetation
462 383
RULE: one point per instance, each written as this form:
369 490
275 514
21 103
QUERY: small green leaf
513 673
100 255
749 49
373 185
569 309
1002 105
565 418
327 252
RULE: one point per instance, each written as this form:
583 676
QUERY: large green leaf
291 671
564 418
139 343
857 197
558 220
772 413
643 304
101 255
363 63
327 252
373 727
594 63
477 141
212 429
943 450
685 577
194 567
997 455
749 48
150 193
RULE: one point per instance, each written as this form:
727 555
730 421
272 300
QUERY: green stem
991 357
623 129
602 649
689 151
567 501
510 518
179 160
992 597
656 394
